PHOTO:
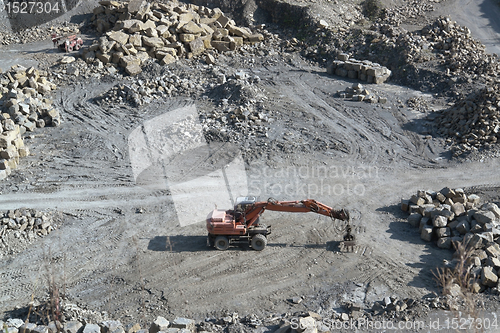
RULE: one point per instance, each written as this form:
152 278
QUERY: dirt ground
125 248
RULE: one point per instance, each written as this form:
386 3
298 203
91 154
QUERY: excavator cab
241 206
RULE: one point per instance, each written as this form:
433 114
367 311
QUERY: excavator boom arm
303 206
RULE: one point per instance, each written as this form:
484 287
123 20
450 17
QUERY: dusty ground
124 250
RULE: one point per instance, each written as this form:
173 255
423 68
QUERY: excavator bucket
349 243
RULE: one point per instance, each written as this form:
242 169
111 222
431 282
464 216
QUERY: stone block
414 219
426 233
186 323
118 36
91 328
463 227
458 209
160 324
439 221
133 69
489 277
167 59
444 243
72 326
221 46
482 217
443 232
27 328
492 208
493 250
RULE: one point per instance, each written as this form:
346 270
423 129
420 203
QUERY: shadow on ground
433 257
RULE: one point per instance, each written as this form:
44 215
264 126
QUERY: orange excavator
242 223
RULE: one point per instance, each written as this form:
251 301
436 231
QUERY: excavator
242 223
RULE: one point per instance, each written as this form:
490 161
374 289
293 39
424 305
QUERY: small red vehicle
67 43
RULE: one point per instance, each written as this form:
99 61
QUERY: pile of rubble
410 10
359 93
164 31
23 108
356 69
24 226
473 122
38 33
461 53
450 216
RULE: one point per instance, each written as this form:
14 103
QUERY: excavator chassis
219 241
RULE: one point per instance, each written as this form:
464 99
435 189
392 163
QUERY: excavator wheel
258 242
221 243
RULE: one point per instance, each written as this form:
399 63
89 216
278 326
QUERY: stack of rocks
355 69
164 31
474 121
23 108
451 216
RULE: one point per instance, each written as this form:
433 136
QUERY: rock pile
162 31
410 10
392 304
359 93
26 220
474 121
452 216
178 325
355 69
24 226
23 108
461 53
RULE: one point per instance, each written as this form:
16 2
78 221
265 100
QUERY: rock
186 323
441 197
132 328
490 206
27 328
209 59
118 36
152 41
307 324
444 242
474 199
160 324
41 329
110 326
133 69
482 217
414 219
197 46
439 221
323 24
463 227
167 59
405 205
72 326
192 28
443 232
91 328
493 249
458 209
67 60
426 233
488 277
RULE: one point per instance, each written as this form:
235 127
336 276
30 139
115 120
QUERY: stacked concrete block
450 216
355 69
137 31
